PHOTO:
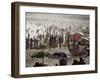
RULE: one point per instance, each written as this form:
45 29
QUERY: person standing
31 41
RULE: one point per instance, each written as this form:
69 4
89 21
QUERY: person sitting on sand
76 62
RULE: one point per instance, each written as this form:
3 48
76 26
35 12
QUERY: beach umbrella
61 56
58 55
41 54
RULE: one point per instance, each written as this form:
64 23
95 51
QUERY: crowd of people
62 62
52 41
51 38
54 37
